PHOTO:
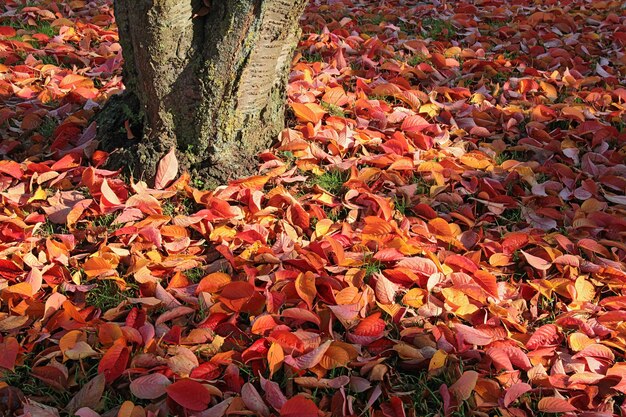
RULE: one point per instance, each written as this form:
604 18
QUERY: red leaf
422 266
370 326
473 336
253 400
206 371
114 361
310 359
536 262
149 387
544 335
487 281
515 391
167 170
463 387
299 406
11 168
7 31
189 394
108 195
9 348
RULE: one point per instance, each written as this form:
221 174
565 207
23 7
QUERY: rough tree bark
208 78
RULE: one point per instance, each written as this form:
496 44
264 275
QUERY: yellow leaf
275 357
585 291
438 361
549 89
414 297
40 195
334 357
578 341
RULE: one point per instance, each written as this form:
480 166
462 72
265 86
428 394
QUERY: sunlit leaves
439 230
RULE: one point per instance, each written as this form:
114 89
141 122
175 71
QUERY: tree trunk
209 77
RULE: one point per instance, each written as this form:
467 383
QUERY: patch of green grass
509 55
111 399
41 26
288 157
106 221
107 295
559 124
49 229
169 209
356 65
619 124
336 214
47 127
195 274
371 266
48 59
201 184
387 99
331 181
438 28
333 110
513 215
179 206
312 57
499 78
509 155
400 204
422 390
377 19
34 388
418 59
497 23
423 186
46 28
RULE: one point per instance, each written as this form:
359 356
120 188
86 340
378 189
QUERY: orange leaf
305 287
275 358
335 96
370 326
308 112
487 281
299 406
213 282
75 81
555 405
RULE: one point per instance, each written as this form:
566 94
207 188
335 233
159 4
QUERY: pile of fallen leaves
440 231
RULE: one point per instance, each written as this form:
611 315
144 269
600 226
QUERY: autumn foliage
439 230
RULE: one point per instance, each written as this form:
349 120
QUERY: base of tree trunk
210 84
121 131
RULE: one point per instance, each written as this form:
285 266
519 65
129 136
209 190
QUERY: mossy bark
209 77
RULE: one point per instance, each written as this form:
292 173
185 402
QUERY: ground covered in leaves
440 230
